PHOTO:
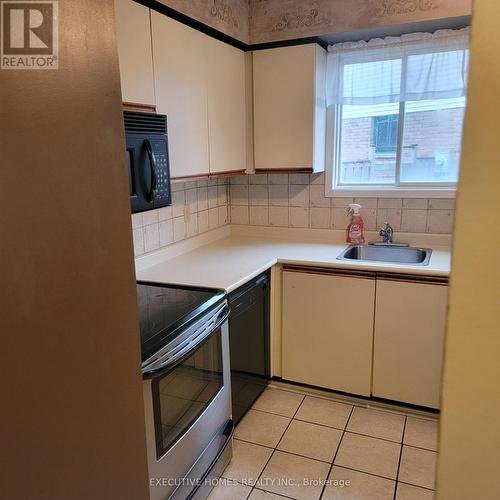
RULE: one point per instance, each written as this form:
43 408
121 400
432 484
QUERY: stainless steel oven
187 401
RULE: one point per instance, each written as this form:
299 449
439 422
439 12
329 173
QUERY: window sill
382 192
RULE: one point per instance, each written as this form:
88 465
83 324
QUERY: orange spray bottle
355 227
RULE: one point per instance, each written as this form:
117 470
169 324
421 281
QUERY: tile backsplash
197 207
281 200
298 200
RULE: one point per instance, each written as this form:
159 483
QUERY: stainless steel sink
387 253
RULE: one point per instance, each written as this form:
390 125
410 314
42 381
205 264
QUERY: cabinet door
133 36
408 346
226 107
180 69
289 108
328 331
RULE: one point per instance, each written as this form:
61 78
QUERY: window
396 111
384 134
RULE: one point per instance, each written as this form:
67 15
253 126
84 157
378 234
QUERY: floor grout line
335 456
399 461
270 412
321 425
303 456
419 448
416 485
374 437
274 493
274 450
255 444
364 472
289 423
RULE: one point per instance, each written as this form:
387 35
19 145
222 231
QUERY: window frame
335 189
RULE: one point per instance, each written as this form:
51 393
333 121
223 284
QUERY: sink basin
390 254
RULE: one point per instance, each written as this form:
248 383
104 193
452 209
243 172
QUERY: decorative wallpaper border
262 21
224 12
388 8
275 20
230 17
301 17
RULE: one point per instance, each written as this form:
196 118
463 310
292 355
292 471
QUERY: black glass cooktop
165 310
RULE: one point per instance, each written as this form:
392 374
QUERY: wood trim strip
413 278
228 173
381 275
329 270
284 171
134 106
190 178
218 175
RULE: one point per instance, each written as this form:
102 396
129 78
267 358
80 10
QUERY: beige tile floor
307 447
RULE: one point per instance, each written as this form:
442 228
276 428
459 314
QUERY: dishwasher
249 343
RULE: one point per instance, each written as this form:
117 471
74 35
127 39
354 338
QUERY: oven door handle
152 167
166 362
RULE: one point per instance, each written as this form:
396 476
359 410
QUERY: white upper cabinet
181 82
133 35
290 108
200 86
226 107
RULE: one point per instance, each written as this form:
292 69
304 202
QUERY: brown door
72 424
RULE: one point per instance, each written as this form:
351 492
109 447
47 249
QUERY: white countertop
233 255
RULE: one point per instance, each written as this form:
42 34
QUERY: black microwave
148 160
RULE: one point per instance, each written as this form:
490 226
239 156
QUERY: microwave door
142 173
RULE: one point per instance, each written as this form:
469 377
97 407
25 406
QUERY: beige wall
470 425
71 418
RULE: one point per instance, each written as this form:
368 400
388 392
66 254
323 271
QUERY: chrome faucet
387 233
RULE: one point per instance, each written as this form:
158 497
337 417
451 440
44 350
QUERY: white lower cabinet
364 335
327 335
408 341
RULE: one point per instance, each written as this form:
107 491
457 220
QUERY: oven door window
183 394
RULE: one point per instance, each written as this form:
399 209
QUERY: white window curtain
415 67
